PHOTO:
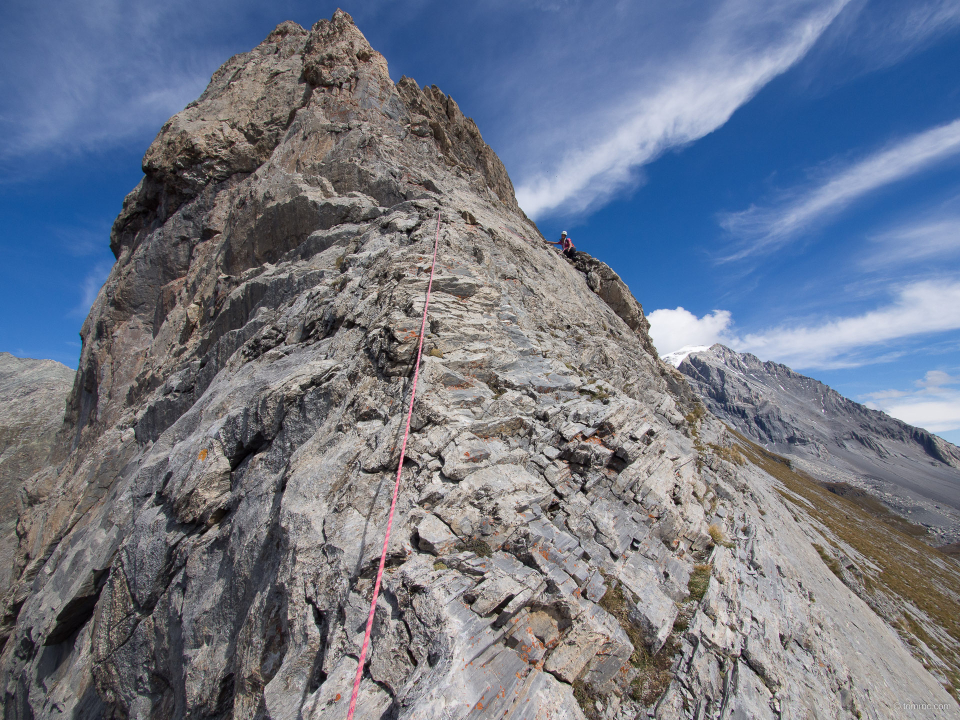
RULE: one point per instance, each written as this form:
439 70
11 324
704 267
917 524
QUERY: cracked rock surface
209 544
32 398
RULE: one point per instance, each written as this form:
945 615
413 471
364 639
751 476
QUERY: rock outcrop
837 440
573 536
32 397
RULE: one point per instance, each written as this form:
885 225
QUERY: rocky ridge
32 397
573 536
836 440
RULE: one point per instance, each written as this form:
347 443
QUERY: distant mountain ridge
832 437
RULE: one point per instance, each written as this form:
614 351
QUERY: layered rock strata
566 542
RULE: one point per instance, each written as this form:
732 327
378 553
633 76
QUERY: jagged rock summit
567 543
835 439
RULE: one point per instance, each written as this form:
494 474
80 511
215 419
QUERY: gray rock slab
655 610
435 537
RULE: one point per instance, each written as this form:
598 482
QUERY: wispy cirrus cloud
869 35
917 309
763 229
920 308
930 238
932 403
90 287
97 75
724 62
923 22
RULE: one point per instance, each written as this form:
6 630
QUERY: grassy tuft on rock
699 581
653 676
718 536
476 546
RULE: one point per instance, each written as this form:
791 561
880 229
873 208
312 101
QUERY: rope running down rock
396 486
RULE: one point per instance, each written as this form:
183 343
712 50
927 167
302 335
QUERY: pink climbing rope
396 487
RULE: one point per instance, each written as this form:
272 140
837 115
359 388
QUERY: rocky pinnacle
572 538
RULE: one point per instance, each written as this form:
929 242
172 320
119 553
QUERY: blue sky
783 177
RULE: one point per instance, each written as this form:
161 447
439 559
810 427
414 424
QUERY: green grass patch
586 698
718 536
699 581
729 453
615 603
876 508
649 686
476 546
599 394
654 676
829 560
694 417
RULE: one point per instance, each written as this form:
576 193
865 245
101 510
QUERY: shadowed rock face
32 396
208 544
835 439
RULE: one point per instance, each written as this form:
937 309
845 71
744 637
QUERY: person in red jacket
566 245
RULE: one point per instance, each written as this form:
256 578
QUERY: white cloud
672 330
767 228
735 51
932 383
932 415
934 404
871 35
593 91
934 380
91 76
919 308
932 238
929 20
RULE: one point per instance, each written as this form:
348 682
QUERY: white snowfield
677 356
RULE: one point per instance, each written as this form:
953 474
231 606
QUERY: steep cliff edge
573 537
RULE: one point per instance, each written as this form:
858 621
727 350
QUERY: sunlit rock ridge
574 536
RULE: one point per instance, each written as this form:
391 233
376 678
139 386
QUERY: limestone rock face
209 544
837 440
32 398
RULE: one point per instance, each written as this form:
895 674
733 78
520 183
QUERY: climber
566 245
